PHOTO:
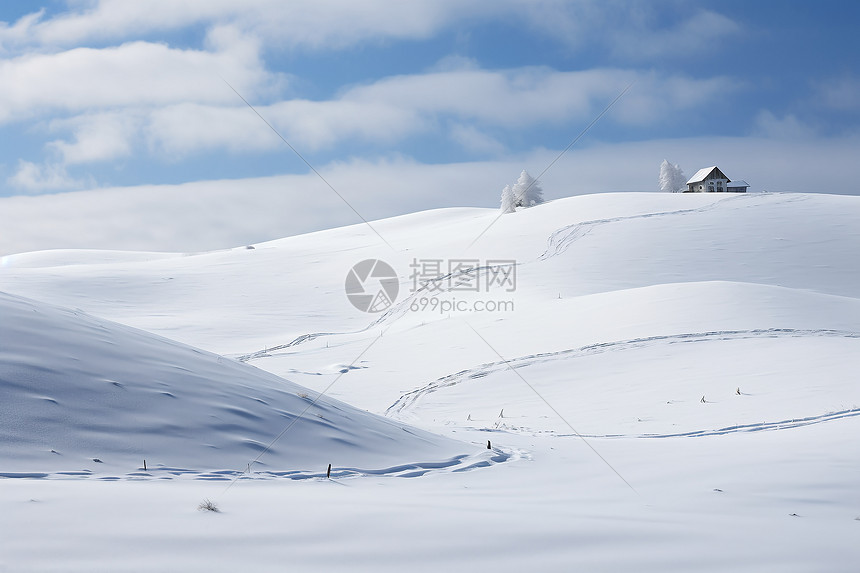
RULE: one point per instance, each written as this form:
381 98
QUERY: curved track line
760 427
560 240
407 400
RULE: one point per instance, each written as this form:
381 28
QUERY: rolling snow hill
671 383
81 395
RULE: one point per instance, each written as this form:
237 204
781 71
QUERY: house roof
703 173
738 183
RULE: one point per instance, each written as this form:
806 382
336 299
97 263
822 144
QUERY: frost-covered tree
672 179
509 201
527 191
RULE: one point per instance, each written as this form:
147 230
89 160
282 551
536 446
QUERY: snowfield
670 385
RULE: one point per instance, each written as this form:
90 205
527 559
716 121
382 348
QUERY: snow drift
80 393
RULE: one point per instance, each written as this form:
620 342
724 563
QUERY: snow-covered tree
527 191
509 201
672 179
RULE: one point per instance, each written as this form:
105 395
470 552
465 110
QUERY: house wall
709 185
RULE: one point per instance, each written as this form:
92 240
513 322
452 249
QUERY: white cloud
133 74
97 137
19 32
515 97
395 108
322 124
841 94
472 139
573 23
306 23
787 127
175 102
144 95
454 63
464 103
187 128
657 98
338 24
34 178
699 33
631 32
150 96
525 97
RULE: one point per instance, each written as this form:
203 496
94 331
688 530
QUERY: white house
712 180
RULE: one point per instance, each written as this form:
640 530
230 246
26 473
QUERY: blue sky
120 96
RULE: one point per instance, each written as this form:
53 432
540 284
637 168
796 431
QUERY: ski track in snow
558 242
396 311
457 464
759 427
409 399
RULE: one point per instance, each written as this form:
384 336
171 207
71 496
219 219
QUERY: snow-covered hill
81 394
705 345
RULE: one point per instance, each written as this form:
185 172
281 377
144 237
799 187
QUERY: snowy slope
241 300
76 389
706 346
737 262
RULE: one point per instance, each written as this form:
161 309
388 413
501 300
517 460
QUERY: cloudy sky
121 127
